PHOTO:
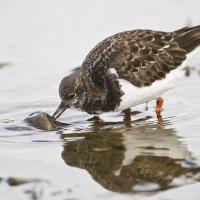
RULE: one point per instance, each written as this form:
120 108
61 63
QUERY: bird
127 69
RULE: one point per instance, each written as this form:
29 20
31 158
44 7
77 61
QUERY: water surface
104 158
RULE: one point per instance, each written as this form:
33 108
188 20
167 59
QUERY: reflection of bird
128 69
120 160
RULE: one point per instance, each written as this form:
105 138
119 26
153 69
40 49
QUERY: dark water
105 158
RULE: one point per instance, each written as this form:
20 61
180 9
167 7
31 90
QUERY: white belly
134 95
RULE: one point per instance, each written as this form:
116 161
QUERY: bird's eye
71 95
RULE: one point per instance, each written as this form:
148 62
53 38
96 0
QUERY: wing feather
139 56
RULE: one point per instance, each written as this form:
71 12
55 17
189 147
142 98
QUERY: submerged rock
4 64
15 181
43 121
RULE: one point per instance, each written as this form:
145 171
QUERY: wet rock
43 121
4 64
14 181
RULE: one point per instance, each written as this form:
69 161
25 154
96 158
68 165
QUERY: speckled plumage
140 57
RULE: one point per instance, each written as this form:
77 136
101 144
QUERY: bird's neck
92 98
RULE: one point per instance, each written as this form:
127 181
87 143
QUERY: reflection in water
149 157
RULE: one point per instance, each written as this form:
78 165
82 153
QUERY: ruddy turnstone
127 69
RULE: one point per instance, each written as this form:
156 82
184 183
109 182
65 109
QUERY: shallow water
104 158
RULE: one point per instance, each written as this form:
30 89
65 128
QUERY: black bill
60 110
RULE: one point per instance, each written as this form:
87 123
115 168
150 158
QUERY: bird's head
69 92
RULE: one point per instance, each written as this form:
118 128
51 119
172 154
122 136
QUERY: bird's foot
127 117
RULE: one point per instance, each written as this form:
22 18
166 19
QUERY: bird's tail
188 38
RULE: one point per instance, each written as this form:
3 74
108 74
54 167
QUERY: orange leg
159 105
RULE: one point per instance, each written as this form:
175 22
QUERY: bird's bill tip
60 110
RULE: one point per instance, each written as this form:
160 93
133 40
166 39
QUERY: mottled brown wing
147 57
140 56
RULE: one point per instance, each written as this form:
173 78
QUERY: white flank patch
113 71
134 95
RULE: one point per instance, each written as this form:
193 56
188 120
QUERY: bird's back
141 56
